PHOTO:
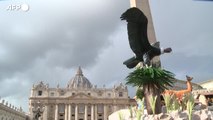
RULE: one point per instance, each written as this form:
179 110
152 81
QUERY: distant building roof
204 82
181 84
207 84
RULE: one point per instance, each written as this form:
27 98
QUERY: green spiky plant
175 103
184 101
138 115
152 101
171 102
190 105
131 112
167 99
153 81
120 115
142 106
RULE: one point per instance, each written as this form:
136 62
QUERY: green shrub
140 93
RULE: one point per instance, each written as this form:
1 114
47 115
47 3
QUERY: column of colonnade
85 112
92 112
105 112
65 112
96 110
56 112
46 111
68 111
76 112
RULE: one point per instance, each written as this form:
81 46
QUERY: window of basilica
61 108
39 93
120 94
81 108
100 108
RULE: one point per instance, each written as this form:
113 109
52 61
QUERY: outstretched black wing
133 61
137 31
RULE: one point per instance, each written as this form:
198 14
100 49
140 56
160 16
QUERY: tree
153 81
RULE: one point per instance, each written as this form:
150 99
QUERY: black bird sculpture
138 39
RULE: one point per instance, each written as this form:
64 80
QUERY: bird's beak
123 17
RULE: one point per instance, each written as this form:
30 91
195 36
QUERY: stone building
207 89
208 84
10 112
80 100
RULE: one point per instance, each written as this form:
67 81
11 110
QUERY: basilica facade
79 100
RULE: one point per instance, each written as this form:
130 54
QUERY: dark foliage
161 78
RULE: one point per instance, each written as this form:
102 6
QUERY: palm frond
151 75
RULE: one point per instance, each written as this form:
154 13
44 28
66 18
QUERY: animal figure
138 39
179 94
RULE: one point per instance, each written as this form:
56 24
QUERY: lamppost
38 110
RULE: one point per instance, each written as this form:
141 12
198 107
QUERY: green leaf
150 75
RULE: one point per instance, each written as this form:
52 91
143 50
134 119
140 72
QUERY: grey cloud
51 39
65 36
182 65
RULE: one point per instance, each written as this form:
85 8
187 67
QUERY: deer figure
179 93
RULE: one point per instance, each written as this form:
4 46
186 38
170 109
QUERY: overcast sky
49 42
